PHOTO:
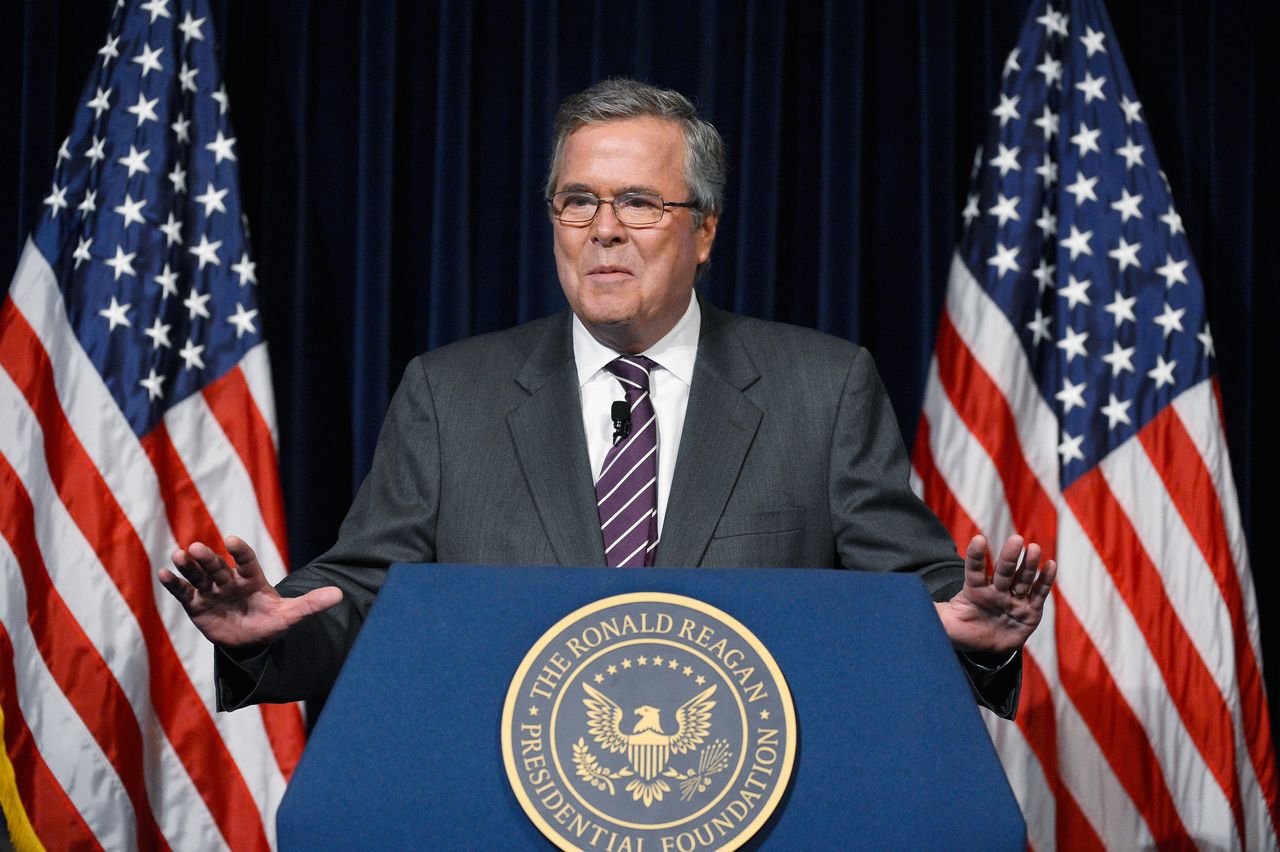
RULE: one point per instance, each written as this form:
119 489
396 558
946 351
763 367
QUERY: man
718 440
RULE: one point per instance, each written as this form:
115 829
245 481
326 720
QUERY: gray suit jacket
790 456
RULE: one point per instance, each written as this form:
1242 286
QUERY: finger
210 562
247 565
1043 585
1026 573
1007 563
190 569
316 600
176 586
975 562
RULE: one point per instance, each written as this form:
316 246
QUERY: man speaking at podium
641 427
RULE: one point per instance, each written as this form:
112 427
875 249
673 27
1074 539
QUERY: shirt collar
675 352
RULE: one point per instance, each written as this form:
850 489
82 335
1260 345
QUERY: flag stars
207 252
1069 448
168 281
81 254
1087 139
1171 320
100 103
1048 122
136 161
212 200
131 210
157 8
1007 110
1011 64
1078 242
1005 259
191 356
1117 411
1071 396
159 334
95 153
110 50
1044 274
1039 327
122 263
1051 69
221 148
197 304
191 28
63 152
1048 222
90 203
178 177
1126 254
1121 308
1132 153
1076 292
1174 221
243 321
1092 41
1092 88
172 231
246 269
1120 358
221 97
1007 160
1132 109
1048 171
1005 209
149 59
1174 271
153 383
187 78
1162 372
970 211
56 199
144 109
1082 189
1206 339
1127 206
182 128
1072 344
116 314
1053 21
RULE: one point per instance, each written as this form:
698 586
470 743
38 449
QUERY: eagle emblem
647 747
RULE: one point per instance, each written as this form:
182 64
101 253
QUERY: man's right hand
237 607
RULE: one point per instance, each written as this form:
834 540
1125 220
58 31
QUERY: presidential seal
648 722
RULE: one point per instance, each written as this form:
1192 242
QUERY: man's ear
706 236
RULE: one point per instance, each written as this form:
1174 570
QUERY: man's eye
639 201
579 201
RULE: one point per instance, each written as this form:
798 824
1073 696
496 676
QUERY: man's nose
606 229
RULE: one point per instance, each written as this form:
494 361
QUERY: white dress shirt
669 384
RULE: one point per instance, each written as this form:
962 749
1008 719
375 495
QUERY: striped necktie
627 490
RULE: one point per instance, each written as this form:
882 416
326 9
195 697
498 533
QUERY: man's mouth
608 273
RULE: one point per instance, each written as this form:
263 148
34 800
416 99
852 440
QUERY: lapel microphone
620 413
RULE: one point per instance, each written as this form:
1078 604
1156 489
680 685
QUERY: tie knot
632 370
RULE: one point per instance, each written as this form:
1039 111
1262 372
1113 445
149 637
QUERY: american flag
1072 398
136 413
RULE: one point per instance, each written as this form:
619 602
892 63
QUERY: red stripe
74 662
1189 684
1088 684
190 521
234 409
937 495
1191 488
53 817
93 507
982 406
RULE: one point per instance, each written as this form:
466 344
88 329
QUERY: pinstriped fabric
627 490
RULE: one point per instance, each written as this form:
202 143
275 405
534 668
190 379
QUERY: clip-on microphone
620 413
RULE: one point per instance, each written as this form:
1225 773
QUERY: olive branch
590 770
714 758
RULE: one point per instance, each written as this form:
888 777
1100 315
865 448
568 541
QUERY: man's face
629 285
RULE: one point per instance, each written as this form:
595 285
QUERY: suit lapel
547 432
719 426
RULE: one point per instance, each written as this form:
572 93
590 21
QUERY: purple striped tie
627 491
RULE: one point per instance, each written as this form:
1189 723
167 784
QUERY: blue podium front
890 750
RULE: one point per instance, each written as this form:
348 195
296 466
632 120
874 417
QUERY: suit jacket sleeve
392 520
880 523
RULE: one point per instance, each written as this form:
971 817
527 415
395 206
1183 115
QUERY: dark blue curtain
392 157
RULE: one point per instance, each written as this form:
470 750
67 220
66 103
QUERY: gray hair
619 98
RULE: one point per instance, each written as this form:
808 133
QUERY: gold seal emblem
648 721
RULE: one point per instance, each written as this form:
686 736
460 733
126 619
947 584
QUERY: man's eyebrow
582 187
576 187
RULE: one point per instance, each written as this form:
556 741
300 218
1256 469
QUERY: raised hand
237 606
997 614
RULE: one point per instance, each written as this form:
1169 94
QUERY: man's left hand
997 613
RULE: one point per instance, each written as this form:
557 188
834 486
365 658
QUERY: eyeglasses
632 208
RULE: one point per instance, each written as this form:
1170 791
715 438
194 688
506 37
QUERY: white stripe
624 506
641 398
95 602
623 449
963 464
257 375
116 453
626 475
1026 777
1087 587
631 556
70 751
639 521
995 344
